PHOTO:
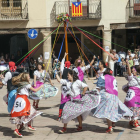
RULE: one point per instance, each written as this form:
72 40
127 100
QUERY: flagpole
66 41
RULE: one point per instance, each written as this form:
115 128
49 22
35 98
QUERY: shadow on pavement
54 117
9 132
4 115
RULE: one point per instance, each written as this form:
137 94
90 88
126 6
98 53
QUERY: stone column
106 36
47 46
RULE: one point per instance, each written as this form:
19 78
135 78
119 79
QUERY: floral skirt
77 107
25 119
136 113
111 108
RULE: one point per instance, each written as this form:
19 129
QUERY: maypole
64 17
66 40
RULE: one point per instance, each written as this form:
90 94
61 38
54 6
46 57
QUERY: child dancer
23 112
79 107
40 77
110 107
132 99
80 68
64 90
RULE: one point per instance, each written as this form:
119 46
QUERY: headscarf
67 64
12 66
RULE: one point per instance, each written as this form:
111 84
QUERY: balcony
133 8
91 10
13 10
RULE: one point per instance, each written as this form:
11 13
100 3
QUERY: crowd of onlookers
115 61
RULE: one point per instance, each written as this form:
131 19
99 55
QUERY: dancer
80 68
11 89
65 67
64 90
40 77
132 99
79 107
110 107
101 70
22 112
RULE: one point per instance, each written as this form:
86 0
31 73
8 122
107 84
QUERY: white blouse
82 68
25 90
133 82
75 87
40 76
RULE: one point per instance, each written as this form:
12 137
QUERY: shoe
34 104
21 127
109 130
31 128
135 124
59 119
16 132
64 130
113 124
79 128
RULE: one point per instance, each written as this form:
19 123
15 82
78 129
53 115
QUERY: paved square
47 126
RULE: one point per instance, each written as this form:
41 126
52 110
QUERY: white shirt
25 90
133 82
127 57
82 68
7 77
136 62
100 73
40 76
62 66
122 54
75 87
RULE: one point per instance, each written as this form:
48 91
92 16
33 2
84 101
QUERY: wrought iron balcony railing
91 10
13 9
133 8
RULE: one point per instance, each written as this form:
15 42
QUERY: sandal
109 130
79 128
64 130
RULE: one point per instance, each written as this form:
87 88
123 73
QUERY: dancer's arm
84 91
62 63
50 81
36 89
92 60
34 80
129 70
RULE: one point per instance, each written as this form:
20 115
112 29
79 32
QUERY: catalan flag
77 9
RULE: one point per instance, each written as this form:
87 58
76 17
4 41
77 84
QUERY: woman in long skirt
80 105
110 107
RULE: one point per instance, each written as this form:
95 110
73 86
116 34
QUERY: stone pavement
47 126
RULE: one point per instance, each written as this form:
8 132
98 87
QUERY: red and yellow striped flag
77 9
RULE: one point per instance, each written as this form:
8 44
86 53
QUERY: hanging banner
77 9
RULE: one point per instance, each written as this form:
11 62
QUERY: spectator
116 63
129 54
1 55
122 54
35 62
71 60
122 67
7 58
18 57
12 58
40 58
2 60
130 61
136 61
56 65
32 67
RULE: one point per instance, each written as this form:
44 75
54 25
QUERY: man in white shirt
129 54
122 54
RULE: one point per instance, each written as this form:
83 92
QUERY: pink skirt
38 84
